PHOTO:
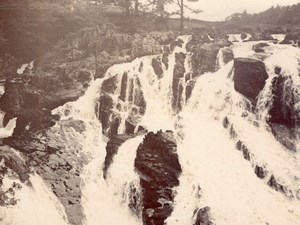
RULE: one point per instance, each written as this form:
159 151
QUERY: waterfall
36 205
215 172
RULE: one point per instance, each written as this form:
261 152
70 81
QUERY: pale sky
215 10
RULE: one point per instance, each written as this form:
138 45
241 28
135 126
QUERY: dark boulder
227 55
249 77
259 47
261 36
204 58
292 38
283 110
112 148
177 86
157 67
158 167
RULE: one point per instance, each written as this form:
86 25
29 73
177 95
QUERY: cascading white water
9 128
36 205
214 172
211 162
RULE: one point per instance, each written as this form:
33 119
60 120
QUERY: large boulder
204 58
249 77
227 54
292 38
158 167
259 47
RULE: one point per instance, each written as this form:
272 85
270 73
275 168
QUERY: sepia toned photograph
149 112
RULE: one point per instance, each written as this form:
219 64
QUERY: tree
182 6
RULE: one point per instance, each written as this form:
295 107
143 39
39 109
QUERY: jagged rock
112 148
177 87
144 46
292 38
158 167
227 55
283 110
12 161
157 67
261 36
249 77
203 217
163 37
260 172
58 163
44 93
285 135
259 47
130 99
204 58
175 43
273 183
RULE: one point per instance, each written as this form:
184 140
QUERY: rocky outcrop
44 93
144 46
177 85
259 47
56 156
158 167
157 67
10 160
130 100
112 148
227 55
163 38
261 36
285 97
249 77
292 38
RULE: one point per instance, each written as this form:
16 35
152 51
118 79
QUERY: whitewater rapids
215 174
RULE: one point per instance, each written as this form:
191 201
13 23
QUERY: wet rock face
249 77
227 55
177 85
112 148
204 58
130 100
158 167
10 160
55 155
283 110
285 135
157 67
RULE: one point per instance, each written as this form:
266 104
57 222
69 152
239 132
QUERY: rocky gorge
105 85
